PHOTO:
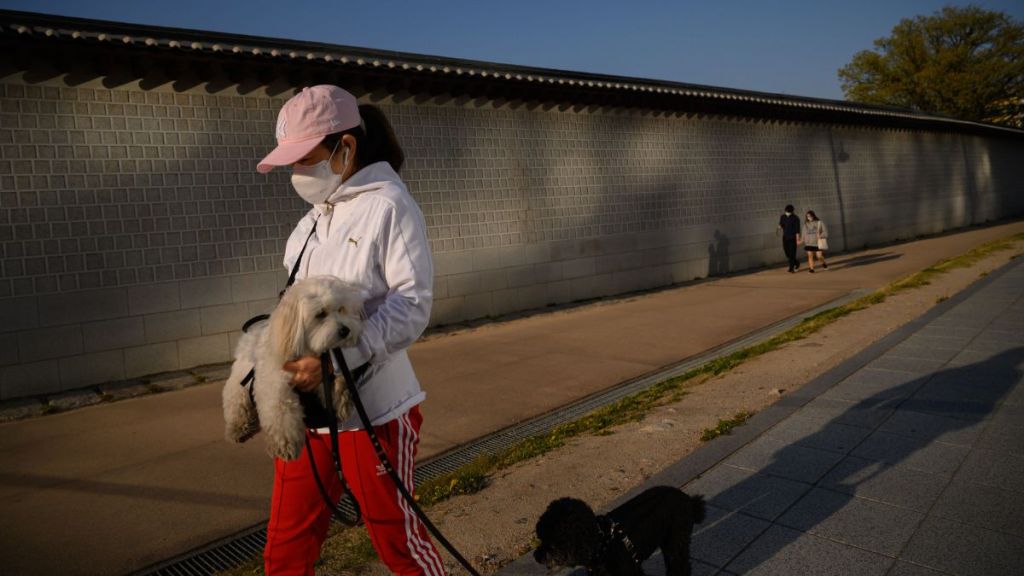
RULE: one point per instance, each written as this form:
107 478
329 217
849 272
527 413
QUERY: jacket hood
372 177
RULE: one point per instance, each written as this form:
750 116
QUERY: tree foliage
966 63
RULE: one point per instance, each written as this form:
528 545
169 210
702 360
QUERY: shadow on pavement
864 260
801 486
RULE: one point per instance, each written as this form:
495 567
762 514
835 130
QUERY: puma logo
355 241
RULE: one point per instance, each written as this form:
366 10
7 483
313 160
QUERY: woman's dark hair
812 215
376 144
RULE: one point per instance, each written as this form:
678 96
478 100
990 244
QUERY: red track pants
299 517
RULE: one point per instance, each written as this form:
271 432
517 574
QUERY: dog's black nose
343 332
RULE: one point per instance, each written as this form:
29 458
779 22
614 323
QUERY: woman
364 228
815 240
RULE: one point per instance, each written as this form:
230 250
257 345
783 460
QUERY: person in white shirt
365 228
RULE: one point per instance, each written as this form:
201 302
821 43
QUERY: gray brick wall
136 235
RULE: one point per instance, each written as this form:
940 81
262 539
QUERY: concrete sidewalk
905 460
113 488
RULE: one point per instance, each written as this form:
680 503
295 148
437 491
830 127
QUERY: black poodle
617 544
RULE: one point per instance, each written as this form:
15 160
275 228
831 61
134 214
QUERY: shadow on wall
718 255
809 482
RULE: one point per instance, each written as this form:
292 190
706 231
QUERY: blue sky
790 47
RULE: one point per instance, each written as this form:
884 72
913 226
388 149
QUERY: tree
966 63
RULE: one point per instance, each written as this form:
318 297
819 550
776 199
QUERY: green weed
725 427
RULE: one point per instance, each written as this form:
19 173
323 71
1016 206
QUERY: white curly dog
314 316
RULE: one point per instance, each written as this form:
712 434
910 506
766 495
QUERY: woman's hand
306 374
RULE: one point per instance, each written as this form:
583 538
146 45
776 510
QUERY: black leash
248 380
353 391
332 424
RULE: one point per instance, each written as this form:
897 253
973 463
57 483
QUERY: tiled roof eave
141 38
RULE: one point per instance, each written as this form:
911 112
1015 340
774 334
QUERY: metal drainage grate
235 550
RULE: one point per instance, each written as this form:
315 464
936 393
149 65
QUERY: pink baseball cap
305 119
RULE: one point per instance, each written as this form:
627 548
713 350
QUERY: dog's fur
660 517
313 316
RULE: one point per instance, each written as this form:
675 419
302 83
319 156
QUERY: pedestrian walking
789 225
815 237
363 227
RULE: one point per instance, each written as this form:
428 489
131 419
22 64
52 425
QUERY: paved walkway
114 488
907 460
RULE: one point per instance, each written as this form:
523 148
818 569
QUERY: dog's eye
321 315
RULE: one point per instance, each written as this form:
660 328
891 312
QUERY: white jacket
372 234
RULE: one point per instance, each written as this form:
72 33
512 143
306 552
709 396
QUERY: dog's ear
285 333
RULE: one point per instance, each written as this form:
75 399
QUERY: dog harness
247 382
612 533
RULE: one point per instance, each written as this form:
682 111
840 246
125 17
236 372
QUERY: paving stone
960 332
1001 440
983 506
916 366
954 408
933 427
1015 397
931 457
817 433
20 408
907 569
936 342
739 490
655 566
1008 417
874 387
723 534
126 389
992 346
850 413
74 399
785 552
777 458
866 524
892 484
964 550
935 354
968 357
996 335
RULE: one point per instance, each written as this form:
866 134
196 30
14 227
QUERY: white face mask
316 183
